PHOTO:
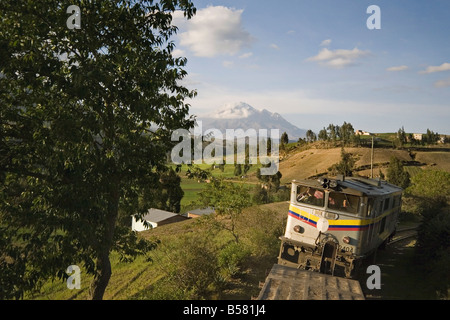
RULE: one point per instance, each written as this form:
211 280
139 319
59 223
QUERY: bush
433 250
190 268
431 186
396 174
431 189
231 258
260 230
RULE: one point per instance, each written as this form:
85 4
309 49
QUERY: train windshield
310 195
343 202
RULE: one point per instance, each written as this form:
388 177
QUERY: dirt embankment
313 162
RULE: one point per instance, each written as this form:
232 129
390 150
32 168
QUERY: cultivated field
313 162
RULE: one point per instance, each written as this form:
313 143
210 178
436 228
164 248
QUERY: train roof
352 185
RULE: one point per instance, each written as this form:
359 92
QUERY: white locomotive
338 222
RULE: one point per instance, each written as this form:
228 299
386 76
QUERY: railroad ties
287 283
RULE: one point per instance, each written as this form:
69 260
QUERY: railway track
402 234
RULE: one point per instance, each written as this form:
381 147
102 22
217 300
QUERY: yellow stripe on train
312 219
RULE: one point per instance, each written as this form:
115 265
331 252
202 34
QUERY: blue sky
315 61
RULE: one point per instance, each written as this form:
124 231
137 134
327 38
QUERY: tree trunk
101 278
103 265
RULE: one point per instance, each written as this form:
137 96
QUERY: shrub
231 258
260 230
190 268
396 173
431 189
431 186
433 250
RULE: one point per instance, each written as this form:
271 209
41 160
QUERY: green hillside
191 247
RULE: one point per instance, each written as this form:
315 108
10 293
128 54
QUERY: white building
200 212
362 133
155 218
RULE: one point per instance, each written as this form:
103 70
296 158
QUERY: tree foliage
345 166
432 190
168 192
311 136
284 138
346 132
76 145
396 174
228 199
323 135
430 137
401 138
431 185
333 133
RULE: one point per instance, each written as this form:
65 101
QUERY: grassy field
192 187
141 278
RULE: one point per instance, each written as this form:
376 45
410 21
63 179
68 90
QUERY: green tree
432 190
396 174
432 186
171 191
345 166
323 135
430 137
237 169
284 138
332 132
76 145
247 164
228 200
346 132
310 136
401 137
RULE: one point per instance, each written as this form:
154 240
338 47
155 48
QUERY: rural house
362 133
199 212
156 217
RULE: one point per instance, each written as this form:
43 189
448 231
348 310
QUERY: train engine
333 224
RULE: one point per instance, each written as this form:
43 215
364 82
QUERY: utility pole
371 161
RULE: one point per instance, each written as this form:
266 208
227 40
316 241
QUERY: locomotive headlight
298 229
346 240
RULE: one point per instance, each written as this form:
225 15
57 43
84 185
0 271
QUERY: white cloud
325 43
178 53
398 68
431 69
246 55
339 58
442 83
274 46
228 64
305 102
215 30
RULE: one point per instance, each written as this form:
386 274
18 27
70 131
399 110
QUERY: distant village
412 137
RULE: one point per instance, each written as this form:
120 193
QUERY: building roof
201 212
157 215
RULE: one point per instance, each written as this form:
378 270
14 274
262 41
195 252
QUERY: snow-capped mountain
243 116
